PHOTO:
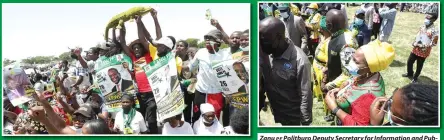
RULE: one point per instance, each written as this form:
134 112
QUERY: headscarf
200 128
378 55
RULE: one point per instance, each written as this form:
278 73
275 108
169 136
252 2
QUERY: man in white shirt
208 88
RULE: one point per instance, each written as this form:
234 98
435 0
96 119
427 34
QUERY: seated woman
413 104
351 103
207 123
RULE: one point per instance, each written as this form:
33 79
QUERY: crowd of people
310 50
69 101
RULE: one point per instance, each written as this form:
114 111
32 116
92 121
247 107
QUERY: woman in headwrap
207 123
175 125
413 104
320 58
351 103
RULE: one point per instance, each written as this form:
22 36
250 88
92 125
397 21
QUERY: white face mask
284 15
245 49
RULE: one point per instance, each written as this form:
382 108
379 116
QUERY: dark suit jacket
124 85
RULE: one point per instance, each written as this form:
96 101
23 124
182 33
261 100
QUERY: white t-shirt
206 77
39 86
71 78
200 129
137 124
85 75
184 129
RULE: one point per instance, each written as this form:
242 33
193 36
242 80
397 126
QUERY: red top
141 78
360 111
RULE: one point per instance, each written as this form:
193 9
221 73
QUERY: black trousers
199 98
189 102
412 58
226 114
148 108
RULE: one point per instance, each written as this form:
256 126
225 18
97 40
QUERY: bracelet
334 111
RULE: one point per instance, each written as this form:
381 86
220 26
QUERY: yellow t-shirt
153 53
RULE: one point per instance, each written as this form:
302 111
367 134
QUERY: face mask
267 47
427 22
323 23
245 49
310 11
285 15
359 21
353 68
211 46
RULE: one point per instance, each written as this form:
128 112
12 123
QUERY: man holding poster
208 89
169 99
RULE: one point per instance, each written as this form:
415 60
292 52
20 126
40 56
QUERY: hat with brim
84 110
165 41
215 34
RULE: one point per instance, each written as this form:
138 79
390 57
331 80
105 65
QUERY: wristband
334 111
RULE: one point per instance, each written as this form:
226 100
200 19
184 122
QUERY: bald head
272 26
272 36
335 20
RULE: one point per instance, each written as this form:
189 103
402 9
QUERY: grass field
406 26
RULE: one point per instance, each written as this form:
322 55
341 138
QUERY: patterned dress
356 99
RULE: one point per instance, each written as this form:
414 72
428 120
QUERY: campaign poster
17 86
163 78
114 80
233 77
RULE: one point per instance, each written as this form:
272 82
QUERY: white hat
206 107
165 41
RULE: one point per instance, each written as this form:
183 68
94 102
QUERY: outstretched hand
37 113
154 13
138 19
214 22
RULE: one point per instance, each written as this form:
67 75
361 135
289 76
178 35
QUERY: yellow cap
378 55
313 6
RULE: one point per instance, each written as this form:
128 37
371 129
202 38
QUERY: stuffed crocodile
118 20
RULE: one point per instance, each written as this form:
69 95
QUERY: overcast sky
49 29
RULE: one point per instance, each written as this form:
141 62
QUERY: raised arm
216 24
56 120
122 40
143 37
114 38
156 23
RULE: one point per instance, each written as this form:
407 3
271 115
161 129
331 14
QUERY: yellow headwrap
378 55
294 9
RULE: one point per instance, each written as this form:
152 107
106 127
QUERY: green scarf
127 121
340 32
